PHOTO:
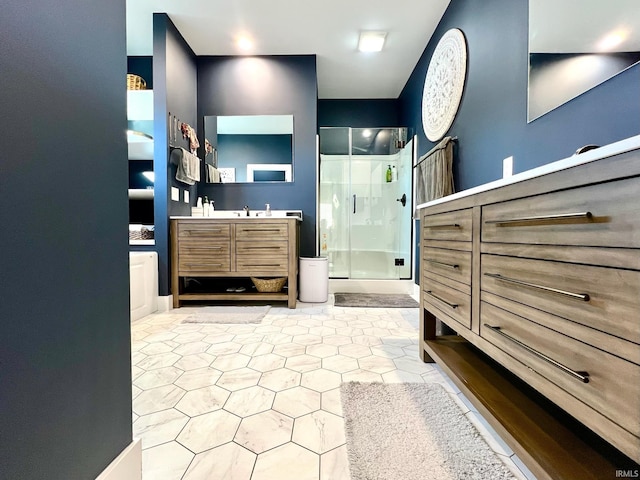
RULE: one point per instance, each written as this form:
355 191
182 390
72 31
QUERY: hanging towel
190 134
434 172
188 164
194 166
212 174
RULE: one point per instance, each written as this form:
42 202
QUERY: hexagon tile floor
262 401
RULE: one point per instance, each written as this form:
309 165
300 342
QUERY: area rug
231 314
374 300
413 431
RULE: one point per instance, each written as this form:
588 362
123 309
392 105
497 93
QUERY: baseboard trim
165 303
127 465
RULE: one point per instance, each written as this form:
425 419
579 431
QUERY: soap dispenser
205 206
267 210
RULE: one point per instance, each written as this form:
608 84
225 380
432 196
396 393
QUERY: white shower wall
379 228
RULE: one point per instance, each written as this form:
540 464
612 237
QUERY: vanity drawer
453 264
602 298
599 379
263 265
447 300
198 265
605 214
263 248
251 230
203 247
203 229
453 226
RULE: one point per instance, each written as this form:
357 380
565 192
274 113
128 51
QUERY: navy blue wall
274 85
492 121
174 93
363 113
65 354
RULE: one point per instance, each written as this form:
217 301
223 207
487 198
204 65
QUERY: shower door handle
354 203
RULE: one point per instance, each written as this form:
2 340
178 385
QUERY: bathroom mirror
250 148
575 45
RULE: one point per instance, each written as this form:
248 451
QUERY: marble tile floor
262 401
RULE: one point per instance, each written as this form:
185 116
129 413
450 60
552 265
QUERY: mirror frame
279 124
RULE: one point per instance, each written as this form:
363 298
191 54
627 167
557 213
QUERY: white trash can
314 279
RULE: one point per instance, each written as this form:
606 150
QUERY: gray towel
182 159
212 175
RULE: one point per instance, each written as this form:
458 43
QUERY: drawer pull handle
579 296
263 265
452 305
249 230
193 249
263 248
541 218
582 376
203 264
442 264
444 225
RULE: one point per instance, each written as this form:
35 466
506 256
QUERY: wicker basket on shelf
135 82
269 285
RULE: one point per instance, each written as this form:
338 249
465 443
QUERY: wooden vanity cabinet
540 280
231 248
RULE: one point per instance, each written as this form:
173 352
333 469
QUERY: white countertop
626 145
253 215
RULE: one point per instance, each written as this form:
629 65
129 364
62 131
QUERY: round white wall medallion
444 84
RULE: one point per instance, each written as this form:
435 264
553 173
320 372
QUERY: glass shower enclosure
365 202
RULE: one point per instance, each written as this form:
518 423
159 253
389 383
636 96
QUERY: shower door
365 226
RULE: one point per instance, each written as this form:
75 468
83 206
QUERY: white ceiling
326 28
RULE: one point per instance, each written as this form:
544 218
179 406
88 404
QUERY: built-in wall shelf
142 242
139 104
140 194
140 112
140 154
140 145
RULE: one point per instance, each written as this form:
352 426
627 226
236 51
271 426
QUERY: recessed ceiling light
371 41
612 40
244 43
